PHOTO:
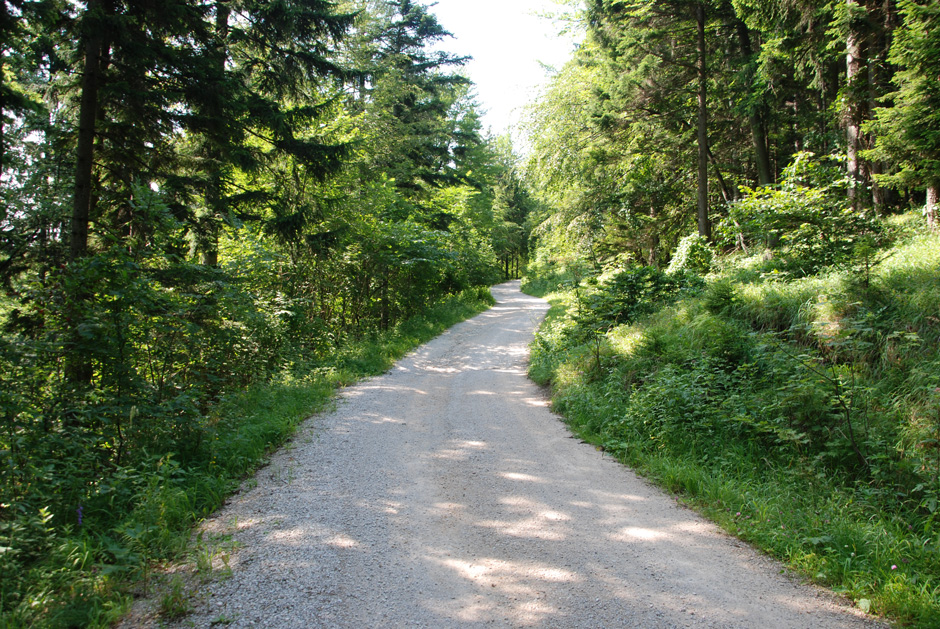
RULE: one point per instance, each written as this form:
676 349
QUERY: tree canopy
203 196
672 110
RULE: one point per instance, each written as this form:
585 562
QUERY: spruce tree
270 67
909 129
415 90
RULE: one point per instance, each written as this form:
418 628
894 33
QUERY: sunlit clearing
625 339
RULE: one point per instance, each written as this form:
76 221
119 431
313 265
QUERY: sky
507 41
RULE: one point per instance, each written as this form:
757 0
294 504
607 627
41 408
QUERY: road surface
446 494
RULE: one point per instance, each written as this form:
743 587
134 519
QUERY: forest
215 212
738 232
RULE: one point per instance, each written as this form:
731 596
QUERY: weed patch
800 414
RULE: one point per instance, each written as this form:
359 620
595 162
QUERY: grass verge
801 415
87 576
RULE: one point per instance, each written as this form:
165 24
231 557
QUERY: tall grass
802 415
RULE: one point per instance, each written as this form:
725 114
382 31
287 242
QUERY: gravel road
446 494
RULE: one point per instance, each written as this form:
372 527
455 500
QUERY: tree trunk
755 119
87 116
704 225
385 306
209 255
3 78
853 109
930 209
78 367
875 167
722 185
884 13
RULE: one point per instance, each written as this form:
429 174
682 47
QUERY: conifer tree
414 90
269 66
660 50
909 128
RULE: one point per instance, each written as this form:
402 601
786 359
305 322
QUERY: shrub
693 254
623 295
806 218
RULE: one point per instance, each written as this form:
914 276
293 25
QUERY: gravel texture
446 494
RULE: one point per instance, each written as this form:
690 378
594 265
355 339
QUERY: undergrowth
80 574
801 413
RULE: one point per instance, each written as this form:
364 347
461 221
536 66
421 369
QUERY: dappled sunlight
519 585
543 402
459 450
536 521
507 574
480 609
446 495
625 339
434 369
633 533
521 477
340 540
389 420
472 358
447 508
275 532
614 500
364 389
390 507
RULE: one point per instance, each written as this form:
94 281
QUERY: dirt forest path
446 494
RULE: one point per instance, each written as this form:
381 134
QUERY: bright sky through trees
509 43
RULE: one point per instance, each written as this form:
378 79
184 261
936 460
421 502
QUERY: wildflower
79 512
894 567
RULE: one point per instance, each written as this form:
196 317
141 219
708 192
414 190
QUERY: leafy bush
623 295
693 254
806 218
193 385
803 414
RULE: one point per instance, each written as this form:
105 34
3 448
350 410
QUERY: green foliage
623 295
907 128
693 254
807 216
277 204
111 503
175 603
800 414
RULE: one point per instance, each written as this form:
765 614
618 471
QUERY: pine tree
658 53
909 129
270 67
414 90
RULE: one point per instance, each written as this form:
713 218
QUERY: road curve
446 494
